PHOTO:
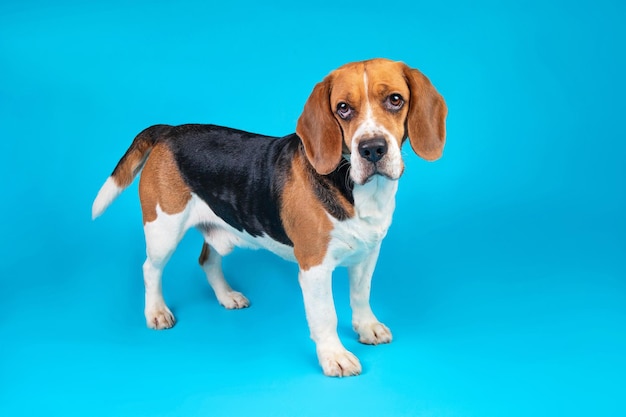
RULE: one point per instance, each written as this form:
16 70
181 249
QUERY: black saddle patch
241 176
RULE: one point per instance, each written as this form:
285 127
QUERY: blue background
503 276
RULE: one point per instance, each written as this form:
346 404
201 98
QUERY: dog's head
365 111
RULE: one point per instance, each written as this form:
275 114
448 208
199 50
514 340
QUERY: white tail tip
109 192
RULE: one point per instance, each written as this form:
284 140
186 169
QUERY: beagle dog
322 197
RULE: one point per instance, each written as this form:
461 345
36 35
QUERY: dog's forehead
382 71
382 76
348 83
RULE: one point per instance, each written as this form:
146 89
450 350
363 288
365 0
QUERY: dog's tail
127 168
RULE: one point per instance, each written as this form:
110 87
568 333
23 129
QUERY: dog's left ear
426 121
319 130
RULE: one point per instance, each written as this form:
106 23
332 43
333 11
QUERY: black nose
373 149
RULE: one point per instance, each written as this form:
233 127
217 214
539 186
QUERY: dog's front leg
334 358
370 330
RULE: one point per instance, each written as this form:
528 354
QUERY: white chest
354 239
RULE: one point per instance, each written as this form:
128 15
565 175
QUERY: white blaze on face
368 127
391 164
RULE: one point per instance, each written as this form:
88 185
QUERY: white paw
339 362
233 300
373 333
159 317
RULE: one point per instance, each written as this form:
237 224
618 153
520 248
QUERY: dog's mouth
365 173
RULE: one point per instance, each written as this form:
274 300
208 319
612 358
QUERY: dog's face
371 108
365 111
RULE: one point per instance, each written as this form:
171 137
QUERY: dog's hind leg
211 262
165 204
162 236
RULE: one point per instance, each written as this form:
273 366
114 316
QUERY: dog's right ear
319 130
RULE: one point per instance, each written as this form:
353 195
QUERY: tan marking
133 160
162 184
204 255
305 220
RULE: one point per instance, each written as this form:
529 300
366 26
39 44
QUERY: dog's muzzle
375 159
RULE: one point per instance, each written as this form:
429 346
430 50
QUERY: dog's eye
344 110
394 102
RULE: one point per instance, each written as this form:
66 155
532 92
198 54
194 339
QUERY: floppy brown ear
426 122
319 130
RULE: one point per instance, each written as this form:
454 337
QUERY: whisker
349 183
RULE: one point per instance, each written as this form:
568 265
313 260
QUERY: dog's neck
376 197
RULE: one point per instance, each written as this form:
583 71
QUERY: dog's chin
363 178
